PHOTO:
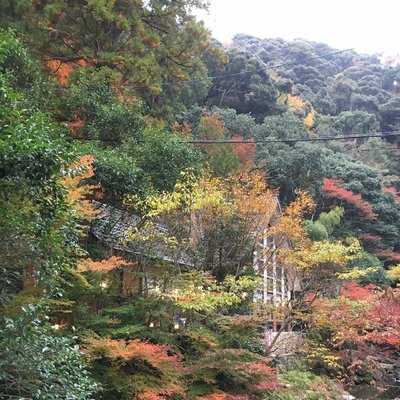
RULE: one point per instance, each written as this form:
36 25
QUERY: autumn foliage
394 192
370 238
384 321
151 369
223 396
290 224
211 127
362 315
363 322
354 291
178 284
105 265
63 70
245 151
332 188
75 125
253 200
233 372
387 254
79 192
155 355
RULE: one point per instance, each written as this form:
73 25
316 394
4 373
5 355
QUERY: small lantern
104 284
157 289
179 322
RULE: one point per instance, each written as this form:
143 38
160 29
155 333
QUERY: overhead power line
381 135
316 57
266 67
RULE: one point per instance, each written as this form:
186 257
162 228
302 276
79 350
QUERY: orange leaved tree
145 371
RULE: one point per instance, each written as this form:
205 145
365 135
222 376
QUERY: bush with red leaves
332 188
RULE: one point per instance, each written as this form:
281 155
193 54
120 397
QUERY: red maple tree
353 291
245 151
384 319
333 189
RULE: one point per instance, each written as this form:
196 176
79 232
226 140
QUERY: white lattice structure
275 287
279 283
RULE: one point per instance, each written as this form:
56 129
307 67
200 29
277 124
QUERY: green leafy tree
325 225
92 104
221 158
285 126
245 86
357 122
38 364
162 156
152 47
39 240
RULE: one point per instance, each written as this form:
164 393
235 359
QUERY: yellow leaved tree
211 221
394 273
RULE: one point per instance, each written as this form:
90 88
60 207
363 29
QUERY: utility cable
314 57
316 139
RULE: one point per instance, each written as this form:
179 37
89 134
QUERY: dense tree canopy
129 253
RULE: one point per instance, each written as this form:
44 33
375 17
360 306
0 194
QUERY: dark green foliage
38 239
333 83
357 122
151 48
22 83
241 332
365 261
390 113
290 167
37 232
285 126
163 156
134 167
34 218
224 163
119 175
15 61
236 123
245 86
92 99
302 384
38 364
31 147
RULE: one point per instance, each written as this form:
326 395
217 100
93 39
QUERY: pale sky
370 26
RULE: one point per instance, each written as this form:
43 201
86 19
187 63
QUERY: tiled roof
114 227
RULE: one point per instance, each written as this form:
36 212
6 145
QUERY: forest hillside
183 220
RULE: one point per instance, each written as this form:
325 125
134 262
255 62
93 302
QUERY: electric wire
316 139
266 67
381 135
